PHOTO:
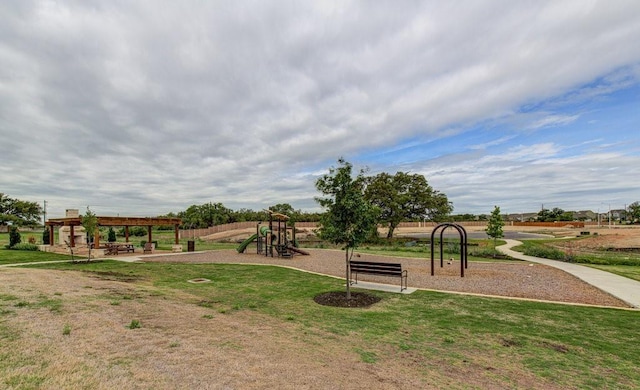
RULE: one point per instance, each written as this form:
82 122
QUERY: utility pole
44 217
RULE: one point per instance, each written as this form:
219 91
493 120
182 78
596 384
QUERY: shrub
136 231
486 252
32 240
45 237
14 236
546 252
452 248
111 235
24 247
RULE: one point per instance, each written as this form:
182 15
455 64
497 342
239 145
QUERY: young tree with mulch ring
349 219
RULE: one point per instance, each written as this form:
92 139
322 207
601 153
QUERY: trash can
191 246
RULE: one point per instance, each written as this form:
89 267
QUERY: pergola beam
117 221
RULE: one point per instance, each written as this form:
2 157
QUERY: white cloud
149 107
553 120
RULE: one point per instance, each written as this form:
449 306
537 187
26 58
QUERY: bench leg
352 282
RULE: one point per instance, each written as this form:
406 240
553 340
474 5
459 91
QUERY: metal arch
464 261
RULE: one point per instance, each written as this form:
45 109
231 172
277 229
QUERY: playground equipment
464 262
276 236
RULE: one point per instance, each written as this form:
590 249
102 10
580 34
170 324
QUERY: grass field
16 257
621 263
570 346
628 271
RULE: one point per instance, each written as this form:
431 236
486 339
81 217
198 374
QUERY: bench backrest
376 268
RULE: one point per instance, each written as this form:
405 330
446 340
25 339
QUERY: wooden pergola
113 221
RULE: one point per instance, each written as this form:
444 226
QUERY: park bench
126 248
382 269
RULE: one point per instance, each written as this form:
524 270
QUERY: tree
349 219
19 212
557 214
286 209
111 236
403 197
208 214
633 212
14 236
495 224
90 224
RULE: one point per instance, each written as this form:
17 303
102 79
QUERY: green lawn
620 263
563 250
16 257
628 271
572 346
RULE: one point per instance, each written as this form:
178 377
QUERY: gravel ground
507 279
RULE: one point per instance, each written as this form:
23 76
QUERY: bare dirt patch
604 239
177 346
182 345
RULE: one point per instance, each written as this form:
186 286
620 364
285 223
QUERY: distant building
521 217
585 215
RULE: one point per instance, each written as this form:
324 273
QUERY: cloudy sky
146 107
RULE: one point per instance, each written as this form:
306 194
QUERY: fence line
195 233
551 224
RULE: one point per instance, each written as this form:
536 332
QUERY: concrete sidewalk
620 287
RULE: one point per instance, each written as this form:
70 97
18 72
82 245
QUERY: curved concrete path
620 287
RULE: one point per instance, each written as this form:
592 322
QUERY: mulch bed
339 299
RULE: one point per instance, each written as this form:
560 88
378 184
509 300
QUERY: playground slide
246 243
297 250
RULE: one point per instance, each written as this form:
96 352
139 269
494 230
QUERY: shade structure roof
117 221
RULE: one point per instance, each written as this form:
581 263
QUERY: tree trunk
348 279
392 228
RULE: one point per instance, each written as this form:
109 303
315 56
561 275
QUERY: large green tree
19 212
633 212
286 209
205 215
349 219
557 214
405 197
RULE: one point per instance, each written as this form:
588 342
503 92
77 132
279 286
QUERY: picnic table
113 248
